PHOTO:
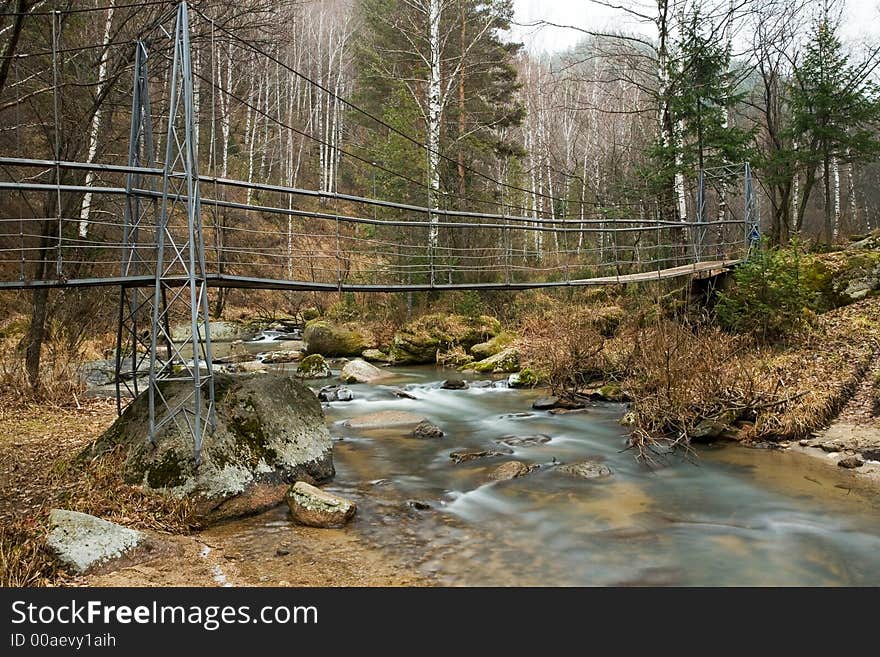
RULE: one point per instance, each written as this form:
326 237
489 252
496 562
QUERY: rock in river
335 393
313 367
509 470
851 462
427 430
474 454
525 441
270 432
585 470
317 508
384 419
454 384
84 543
360 371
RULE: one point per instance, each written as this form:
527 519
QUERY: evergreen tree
835 113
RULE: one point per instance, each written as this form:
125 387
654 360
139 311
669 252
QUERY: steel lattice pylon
180 288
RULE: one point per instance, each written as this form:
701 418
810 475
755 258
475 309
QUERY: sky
861 21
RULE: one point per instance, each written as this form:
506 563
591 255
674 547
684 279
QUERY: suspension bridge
166 233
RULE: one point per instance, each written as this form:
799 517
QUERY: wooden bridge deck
699 269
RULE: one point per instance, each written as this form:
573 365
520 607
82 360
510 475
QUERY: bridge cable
56 109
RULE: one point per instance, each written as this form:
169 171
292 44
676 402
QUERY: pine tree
835 113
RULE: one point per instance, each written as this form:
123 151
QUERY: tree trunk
433 127
86 209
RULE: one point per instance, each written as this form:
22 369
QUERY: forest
660 246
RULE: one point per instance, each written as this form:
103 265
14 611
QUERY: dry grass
39 470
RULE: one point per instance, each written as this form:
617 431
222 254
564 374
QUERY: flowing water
732 516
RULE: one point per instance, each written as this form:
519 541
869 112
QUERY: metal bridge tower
177 259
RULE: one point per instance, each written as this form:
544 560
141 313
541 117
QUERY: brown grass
40 470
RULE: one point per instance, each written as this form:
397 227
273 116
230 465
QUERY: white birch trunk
86 208
434 113
835 190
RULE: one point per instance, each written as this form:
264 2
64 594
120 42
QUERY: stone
335 394
473 455
278 357
546 403
384 419
314 507
403 394
525 441
871 454
454 384
484 350
501 363
329 339
608 392
426 430
804 443
375 356
84 543
509 470
850 462
360 371
418 505
525 378
585 470
831 447
567 411
422 339
313 367
220 331
270 431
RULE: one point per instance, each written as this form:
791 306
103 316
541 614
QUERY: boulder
313 367
360 371
509 470
455 357
384 419
454 384
421 340
329 339
220 331
375 356
525 441
335 393
851 462
425 429
474 454
503 362
278 357
546 403
609 392
317 508
496 345
585 470
270 431
525 378
84 543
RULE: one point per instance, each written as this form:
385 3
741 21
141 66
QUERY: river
729 516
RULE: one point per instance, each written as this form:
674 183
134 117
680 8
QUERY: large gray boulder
270 432
84 543
360 371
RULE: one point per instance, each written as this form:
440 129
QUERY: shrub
768 298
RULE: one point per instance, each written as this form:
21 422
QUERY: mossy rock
421 340
607 319
455 357
313 367
840 278
270 432
506 361
491 347
324 337
527 377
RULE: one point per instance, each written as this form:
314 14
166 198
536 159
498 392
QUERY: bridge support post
132 335
164 236
752 213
